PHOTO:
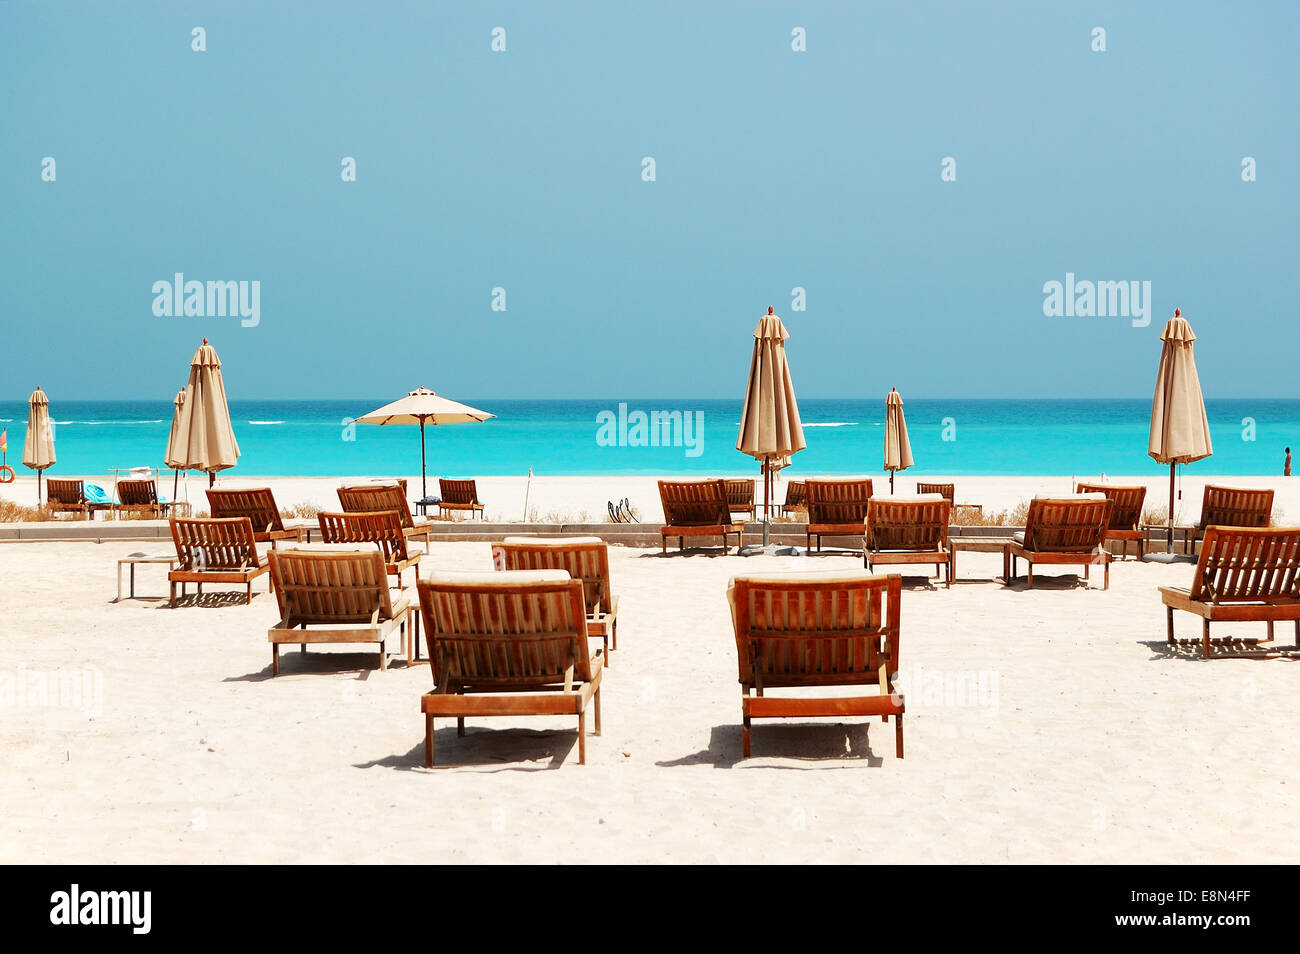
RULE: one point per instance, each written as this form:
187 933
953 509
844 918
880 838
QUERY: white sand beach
1050 725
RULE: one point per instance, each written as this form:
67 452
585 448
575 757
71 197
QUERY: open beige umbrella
173 456
205 439
38 449
898 449
1180 431
770 429
422 407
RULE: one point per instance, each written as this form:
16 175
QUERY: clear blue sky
522 169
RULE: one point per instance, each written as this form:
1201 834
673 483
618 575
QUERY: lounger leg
383 657
808 548
1205 638
428 740
248 593
596 702
664 545
1031 573
1169 613
582 738
1106 577
898 735
171 600
1270 631
745 734
460 727
275 659
613 632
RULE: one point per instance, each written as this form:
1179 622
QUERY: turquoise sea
1014 436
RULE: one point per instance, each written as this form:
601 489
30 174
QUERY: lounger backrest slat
1126 503
1239 565
1066 526
1235 507
255 503
458 491
588 562
322 588
947 491
911 525
382 527
695 503
790 631
215 544
838 501
505 634
371 497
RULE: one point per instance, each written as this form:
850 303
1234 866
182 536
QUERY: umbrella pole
891 483
212 477
176 480
1170 540
767 500
424 488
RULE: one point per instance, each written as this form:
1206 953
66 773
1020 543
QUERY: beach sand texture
1078 738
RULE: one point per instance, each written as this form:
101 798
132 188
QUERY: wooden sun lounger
367 498
69 496
1064 531
946 491
1125 513
583 558
1242 575
812 630
903 531
258 505
740 497
139 496
949 493
380 527
460 495
837 508
796 498
508 644
337 597
215 551
694 508
1230 507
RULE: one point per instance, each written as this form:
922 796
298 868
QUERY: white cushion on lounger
915 498
552 541
499 577
357 547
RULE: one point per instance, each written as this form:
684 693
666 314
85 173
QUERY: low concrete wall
618 534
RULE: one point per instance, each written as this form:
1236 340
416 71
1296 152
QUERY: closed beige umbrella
205 438
770 429
422 407
38 449
173 457
1180 431
898 449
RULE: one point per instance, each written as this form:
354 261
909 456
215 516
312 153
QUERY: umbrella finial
205 340
1178 313
769 309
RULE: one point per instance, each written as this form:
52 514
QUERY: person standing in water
1286 468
